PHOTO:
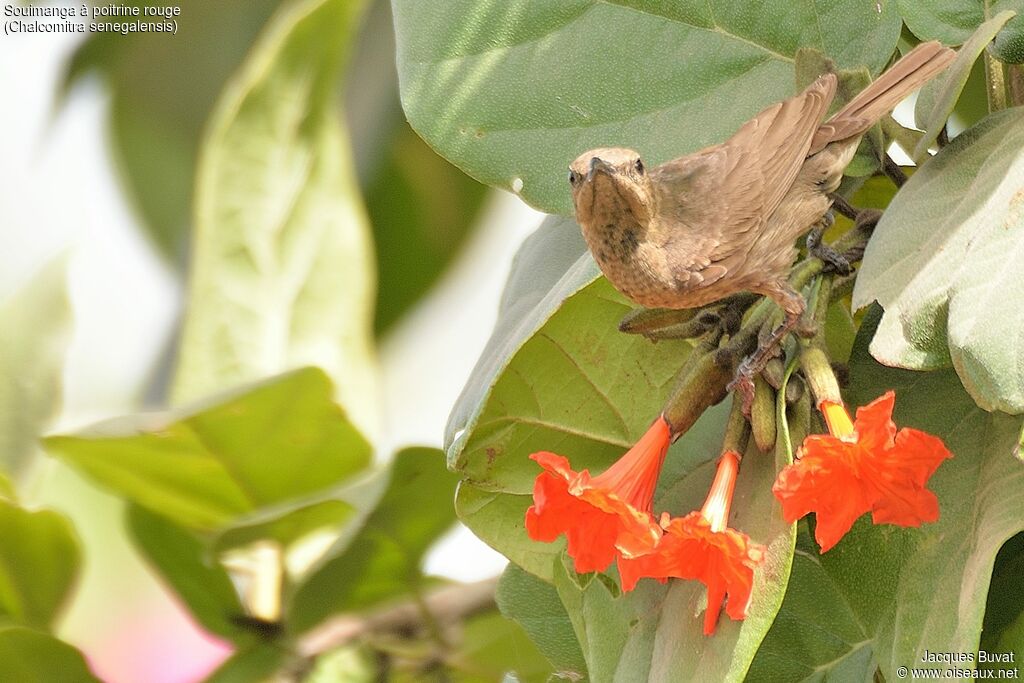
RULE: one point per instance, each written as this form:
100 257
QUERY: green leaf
28 656
208 466
817 635
184 563
490 646
512 93
162 91
951 21
911 590
656 632
421 208
1004 605
534 605
39 560
577 386
382 561
952 82
1008 46
35 326
282 260
941 263
552 264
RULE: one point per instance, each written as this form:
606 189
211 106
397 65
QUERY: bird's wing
714 201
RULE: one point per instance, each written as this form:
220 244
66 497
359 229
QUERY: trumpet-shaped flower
866 465
602 517
701 546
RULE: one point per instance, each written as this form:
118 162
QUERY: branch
446 605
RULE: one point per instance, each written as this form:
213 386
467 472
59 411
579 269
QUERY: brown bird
723 220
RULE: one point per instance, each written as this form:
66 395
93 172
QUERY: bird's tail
878 99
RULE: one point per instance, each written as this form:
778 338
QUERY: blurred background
101 135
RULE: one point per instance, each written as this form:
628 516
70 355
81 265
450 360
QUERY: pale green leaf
951 21
655 633
28 656
206 467
952 82
382 561
39 561
943 265
35 326
282 272
183 561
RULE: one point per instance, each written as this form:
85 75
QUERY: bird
703 227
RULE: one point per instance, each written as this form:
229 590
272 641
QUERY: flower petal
724 561
874 426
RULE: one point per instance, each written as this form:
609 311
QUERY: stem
446 605
781 418
737 430
893 170
995 82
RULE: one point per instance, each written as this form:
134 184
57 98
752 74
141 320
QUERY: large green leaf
28 656
184 563
903 591
655 633
162 92
209 466
952 21
1004 607
39 559
534 605
936 107
382 561
282 261
35 325
512 91
942 263
817 635
576 386
552 264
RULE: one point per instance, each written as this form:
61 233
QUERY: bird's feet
834 261
743 381
743 384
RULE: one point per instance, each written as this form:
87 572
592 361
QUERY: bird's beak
597 164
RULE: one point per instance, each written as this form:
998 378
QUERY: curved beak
599 165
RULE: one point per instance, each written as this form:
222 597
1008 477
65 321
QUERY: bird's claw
743 383
867 219
834 261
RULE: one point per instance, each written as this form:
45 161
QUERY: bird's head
610 184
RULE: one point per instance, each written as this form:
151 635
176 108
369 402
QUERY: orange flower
603 516
858 467
701 546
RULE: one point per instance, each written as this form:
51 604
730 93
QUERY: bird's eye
573 177
639 166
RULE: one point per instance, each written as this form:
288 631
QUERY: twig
893 170
447 605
